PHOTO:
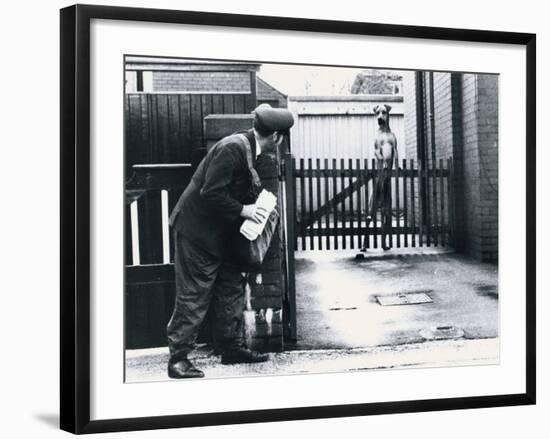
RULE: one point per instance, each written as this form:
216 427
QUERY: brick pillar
264 323
267 286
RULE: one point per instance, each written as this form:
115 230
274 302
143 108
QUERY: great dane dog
385 152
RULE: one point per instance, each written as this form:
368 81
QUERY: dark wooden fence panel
168 127
148 308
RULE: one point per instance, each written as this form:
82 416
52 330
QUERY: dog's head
382 113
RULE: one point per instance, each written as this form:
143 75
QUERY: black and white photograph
284 218
275 220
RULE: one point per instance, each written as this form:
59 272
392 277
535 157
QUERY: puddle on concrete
303 263
388 266
443 332
487 290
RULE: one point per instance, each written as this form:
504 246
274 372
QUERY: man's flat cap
269 119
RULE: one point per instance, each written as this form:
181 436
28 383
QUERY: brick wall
488 169
233 82
443 113
466 129
409 101
472 237
477 167
448 134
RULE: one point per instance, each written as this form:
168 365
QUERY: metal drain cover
411 298
442 333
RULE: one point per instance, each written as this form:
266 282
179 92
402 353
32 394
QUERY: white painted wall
340 128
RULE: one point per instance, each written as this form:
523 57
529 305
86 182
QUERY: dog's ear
374 108
388 107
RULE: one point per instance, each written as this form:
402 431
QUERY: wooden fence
168 127
342 126
330 199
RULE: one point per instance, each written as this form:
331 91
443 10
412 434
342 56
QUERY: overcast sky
295 80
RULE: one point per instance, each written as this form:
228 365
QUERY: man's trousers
201 278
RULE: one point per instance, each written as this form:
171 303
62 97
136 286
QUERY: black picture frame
75 217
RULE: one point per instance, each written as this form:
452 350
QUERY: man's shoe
243 355
184 369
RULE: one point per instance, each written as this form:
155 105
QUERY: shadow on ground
49 419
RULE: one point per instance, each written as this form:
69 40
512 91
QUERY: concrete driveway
342 327
337 305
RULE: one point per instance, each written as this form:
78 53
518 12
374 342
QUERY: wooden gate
151 193
329 198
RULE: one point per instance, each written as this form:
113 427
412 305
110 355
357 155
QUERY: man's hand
254 213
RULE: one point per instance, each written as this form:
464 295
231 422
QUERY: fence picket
217 104
405 207
374 211
413 205
293 213
302 205
351 211
327 217
342 185
397 212
334 204
435 213
184 104
389 215
359 203
424 198
320 221
310 212
366 243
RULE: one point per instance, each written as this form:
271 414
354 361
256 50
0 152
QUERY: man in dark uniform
210 209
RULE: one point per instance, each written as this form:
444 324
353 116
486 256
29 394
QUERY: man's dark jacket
208 211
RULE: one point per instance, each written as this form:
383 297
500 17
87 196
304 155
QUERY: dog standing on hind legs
385 153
